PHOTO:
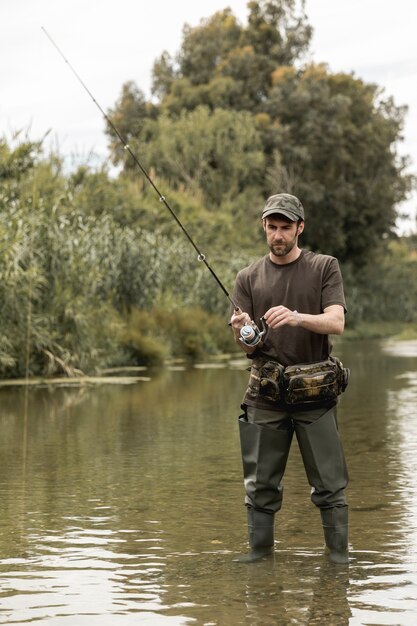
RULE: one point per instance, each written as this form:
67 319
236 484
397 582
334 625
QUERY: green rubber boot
335 528
261 537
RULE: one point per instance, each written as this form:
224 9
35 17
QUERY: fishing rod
249 336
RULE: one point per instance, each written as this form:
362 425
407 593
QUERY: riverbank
396 331
396 335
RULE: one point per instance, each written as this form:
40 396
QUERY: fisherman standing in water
294 383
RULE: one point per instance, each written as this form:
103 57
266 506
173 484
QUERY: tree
129 115
223 64
195 150
338 152
239 117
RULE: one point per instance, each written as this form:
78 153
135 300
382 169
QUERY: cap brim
290 216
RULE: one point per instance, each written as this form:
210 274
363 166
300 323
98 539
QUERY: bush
188 333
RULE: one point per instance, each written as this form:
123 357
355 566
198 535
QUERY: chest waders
264 457
265 450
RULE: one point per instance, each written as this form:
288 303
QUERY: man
299 296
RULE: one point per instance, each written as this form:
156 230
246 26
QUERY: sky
109 42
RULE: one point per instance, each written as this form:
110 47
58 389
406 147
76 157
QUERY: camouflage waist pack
266 380
305 383
315 382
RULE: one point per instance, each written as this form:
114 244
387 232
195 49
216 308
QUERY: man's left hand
279 316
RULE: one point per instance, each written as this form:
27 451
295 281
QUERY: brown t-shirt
309 285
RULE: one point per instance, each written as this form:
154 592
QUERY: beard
282 248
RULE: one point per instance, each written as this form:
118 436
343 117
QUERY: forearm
330 322
323 324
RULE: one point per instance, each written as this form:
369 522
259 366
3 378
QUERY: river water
123 504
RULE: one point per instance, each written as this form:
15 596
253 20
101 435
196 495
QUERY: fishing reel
250 334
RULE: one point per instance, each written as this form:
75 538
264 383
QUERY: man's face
281 236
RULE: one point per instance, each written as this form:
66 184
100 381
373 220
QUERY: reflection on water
124 504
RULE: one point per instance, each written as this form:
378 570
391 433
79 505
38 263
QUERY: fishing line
200 256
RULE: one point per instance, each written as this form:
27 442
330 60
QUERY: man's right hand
237 321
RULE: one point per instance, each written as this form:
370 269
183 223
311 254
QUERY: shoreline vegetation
394 331
400 334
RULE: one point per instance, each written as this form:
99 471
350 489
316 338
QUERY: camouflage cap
285 204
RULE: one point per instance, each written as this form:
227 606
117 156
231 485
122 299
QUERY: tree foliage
224 64
194 150
339 156
330 139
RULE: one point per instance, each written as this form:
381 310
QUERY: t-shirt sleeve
332 288
241 294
